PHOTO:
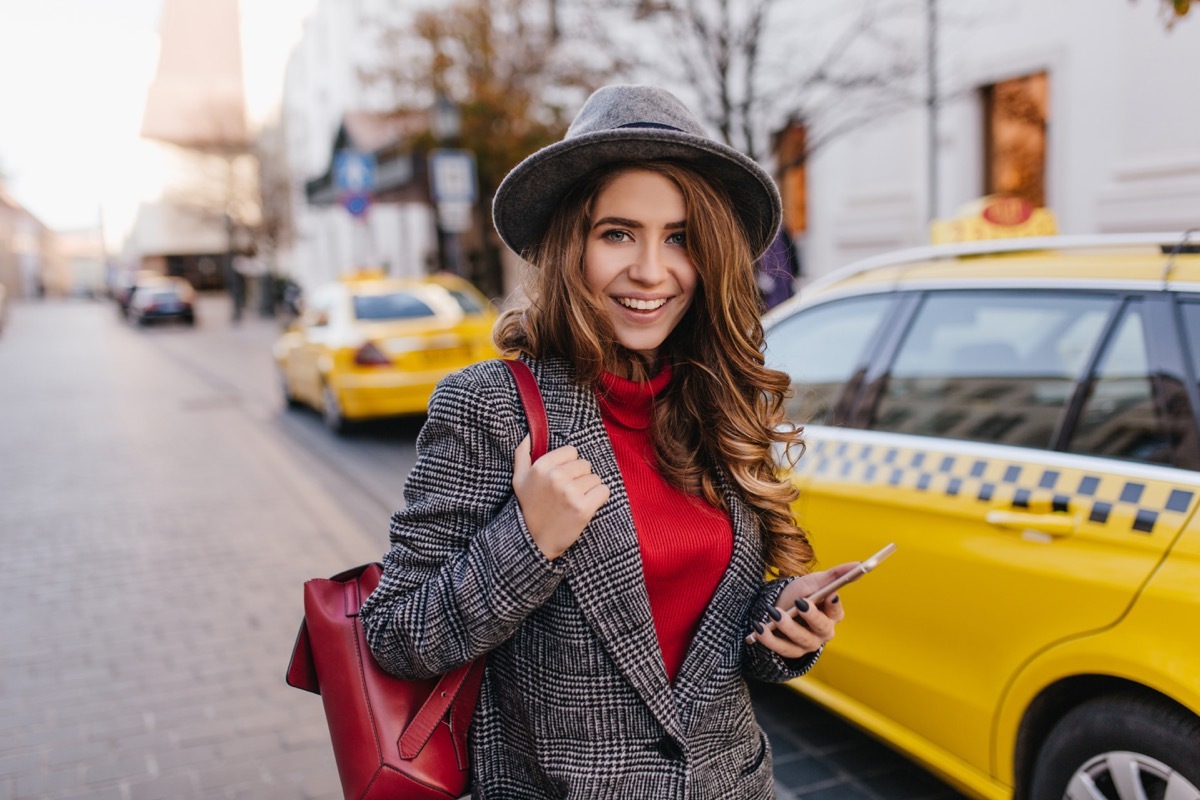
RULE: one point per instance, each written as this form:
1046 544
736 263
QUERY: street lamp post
447 120
932 101
452 183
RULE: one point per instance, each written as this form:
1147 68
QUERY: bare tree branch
756 64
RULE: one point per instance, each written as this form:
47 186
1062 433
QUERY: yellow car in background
1021 418
369 346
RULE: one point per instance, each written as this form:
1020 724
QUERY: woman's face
636 258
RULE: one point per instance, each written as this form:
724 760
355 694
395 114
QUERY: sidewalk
155 541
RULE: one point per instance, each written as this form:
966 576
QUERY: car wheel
1120 748
290 400
332 412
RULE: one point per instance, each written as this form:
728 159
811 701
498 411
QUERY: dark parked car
171 300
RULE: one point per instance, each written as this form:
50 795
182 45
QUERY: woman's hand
558 495
812 626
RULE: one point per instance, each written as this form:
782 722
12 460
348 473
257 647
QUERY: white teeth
641 305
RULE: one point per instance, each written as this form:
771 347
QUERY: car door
1015 527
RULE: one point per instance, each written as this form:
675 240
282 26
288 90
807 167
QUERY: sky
73 81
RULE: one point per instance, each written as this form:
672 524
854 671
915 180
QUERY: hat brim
529 194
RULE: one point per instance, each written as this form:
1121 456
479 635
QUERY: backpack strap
535 409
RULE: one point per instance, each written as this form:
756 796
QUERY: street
160 510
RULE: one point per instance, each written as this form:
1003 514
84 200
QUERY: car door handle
1033 524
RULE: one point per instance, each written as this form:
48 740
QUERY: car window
1123 415
1191 330
466 302
394 305
991 366
820 347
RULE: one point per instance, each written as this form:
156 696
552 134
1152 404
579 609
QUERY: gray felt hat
631 123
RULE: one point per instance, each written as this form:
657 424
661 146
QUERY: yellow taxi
1020 417
368 346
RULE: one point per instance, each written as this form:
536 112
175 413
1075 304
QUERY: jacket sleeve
462 571
766 665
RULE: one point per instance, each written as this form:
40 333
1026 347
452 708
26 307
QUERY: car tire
1135 735
331 412
289 400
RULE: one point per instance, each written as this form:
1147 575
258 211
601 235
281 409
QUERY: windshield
466 302
396 305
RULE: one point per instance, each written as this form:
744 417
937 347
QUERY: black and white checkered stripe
1124 496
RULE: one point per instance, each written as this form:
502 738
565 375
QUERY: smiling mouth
641 305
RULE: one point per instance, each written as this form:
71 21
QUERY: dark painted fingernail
758 627
835 599
775 613
802 605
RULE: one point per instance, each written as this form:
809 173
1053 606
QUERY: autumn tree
517 72
273 230
1174 10
244 188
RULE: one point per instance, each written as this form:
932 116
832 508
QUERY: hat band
651 125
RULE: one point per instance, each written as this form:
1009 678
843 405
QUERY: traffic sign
452 176
356 203
354 180
353 172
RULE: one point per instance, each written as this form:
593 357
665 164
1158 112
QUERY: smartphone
820 594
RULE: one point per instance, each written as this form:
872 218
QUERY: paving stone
168 787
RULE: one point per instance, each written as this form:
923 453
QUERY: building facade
195 122
1083 107
327 105
27 249
1075 105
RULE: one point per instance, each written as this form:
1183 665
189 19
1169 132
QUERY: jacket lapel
605 565
722 624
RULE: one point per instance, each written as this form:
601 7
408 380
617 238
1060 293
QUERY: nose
649 267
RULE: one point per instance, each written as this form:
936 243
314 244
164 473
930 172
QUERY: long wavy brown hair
723 412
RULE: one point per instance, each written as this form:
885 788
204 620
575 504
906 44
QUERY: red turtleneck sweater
686 544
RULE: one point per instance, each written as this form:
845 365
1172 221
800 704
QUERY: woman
611 584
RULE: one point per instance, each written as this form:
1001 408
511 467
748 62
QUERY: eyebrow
632 223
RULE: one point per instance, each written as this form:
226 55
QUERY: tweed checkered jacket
576 701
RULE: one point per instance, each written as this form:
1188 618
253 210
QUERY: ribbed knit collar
628 403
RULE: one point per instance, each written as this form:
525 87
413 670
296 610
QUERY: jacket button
669 748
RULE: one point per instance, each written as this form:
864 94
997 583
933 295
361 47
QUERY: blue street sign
353 172
356 203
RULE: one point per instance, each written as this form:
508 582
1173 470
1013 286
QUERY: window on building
792 154
991 366
1016 114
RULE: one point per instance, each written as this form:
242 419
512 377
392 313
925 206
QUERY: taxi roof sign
995 216
363 274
